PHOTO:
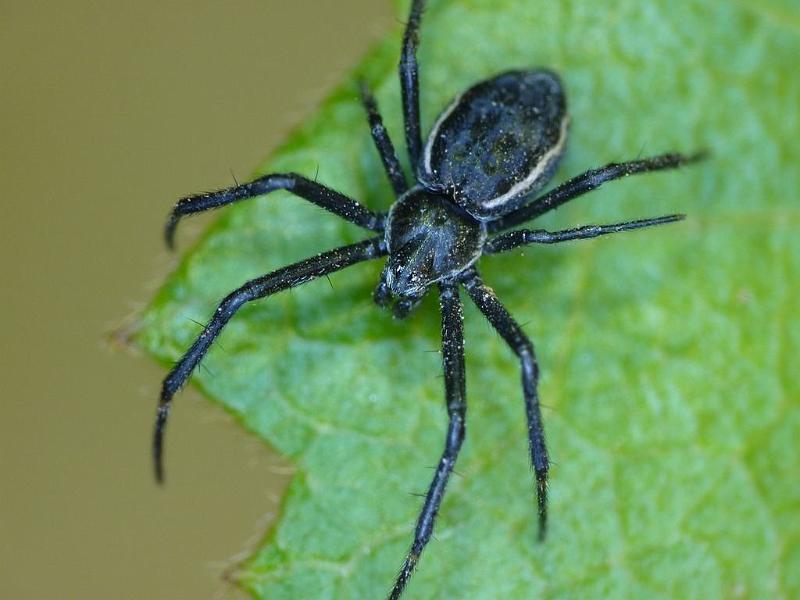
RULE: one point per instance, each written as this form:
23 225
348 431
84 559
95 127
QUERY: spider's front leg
305 188
491 307
455 396
287 277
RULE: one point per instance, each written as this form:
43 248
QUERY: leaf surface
669 356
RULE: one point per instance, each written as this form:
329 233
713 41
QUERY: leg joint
524 349
530 368
233 302
457 409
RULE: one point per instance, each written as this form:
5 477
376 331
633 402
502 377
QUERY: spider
478 175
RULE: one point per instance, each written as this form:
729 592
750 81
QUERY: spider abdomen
498 142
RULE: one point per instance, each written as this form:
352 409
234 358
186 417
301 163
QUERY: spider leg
409 83
284 278
314 192
491 307
521 237
455 395
383 142
588 181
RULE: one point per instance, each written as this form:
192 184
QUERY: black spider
489 153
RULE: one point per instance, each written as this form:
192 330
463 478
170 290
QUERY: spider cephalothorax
488 155
429 239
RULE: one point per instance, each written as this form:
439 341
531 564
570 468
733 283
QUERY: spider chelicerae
488 155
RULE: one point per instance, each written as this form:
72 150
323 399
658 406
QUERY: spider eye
404 306
382 295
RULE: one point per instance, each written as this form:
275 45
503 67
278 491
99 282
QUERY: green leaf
669 356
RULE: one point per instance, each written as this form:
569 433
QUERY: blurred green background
108 113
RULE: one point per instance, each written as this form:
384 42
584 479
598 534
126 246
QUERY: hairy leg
409 83
314 192
588 181
383 143
522 237
455 396
287 277
491 307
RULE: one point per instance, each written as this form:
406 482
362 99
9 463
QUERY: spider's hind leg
521 237
588 181
455 396
491 307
